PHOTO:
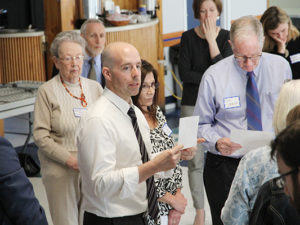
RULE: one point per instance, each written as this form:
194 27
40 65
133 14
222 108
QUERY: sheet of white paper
188 128
250 140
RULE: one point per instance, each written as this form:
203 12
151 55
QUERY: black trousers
218 174
92 219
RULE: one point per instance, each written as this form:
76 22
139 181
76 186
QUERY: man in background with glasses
238 92
286 148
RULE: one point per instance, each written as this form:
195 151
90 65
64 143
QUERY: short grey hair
84 25
66 36
244 26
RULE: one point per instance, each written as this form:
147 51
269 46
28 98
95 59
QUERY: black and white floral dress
161 141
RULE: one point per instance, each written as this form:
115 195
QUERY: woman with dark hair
200 47
149 110
172 203
282 37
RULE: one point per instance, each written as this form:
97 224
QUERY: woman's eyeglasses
68 59
146 87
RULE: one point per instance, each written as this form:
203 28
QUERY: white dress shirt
109 156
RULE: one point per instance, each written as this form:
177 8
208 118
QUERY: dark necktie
92 72
151 190
253 104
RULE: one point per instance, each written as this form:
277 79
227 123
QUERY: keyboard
18 90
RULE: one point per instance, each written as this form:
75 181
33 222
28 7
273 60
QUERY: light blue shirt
86 67
255 168
221 102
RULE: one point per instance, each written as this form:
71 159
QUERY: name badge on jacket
79 112
167 129
232 102
295 58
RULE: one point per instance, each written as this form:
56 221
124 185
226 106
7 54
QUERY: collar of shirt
97 61
119 102
96 58
86 67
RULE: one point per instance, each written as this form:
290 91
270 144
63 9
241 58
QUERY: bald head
114 51
121 67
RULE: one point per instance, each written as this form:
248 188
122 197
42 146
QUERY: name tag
167 129
232 102
295 58
79 112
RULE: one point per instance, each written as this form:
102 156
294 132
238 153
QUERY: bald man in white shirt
110 161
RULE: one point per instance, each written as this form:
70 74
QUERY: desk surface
17 98
17 108
132 26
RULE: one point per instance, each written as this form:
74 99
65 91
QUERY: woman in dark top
282 37
200 47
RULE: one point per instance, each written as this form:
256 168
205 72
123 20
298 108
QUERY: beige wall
292 7
285 3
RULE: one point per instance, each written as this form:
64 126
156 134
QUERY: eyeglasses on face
243 59
284 175
146 87
68 59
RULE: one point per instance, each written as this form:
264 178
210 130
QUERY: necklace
82 96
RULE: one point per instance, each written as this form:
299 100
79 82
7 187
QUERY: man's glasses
68 59
283 176
243 59
146 87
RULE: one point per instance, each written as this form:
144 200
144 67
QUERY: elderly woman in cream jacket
60 103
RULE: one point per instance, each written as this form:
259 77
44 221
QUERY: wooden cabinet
22 57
